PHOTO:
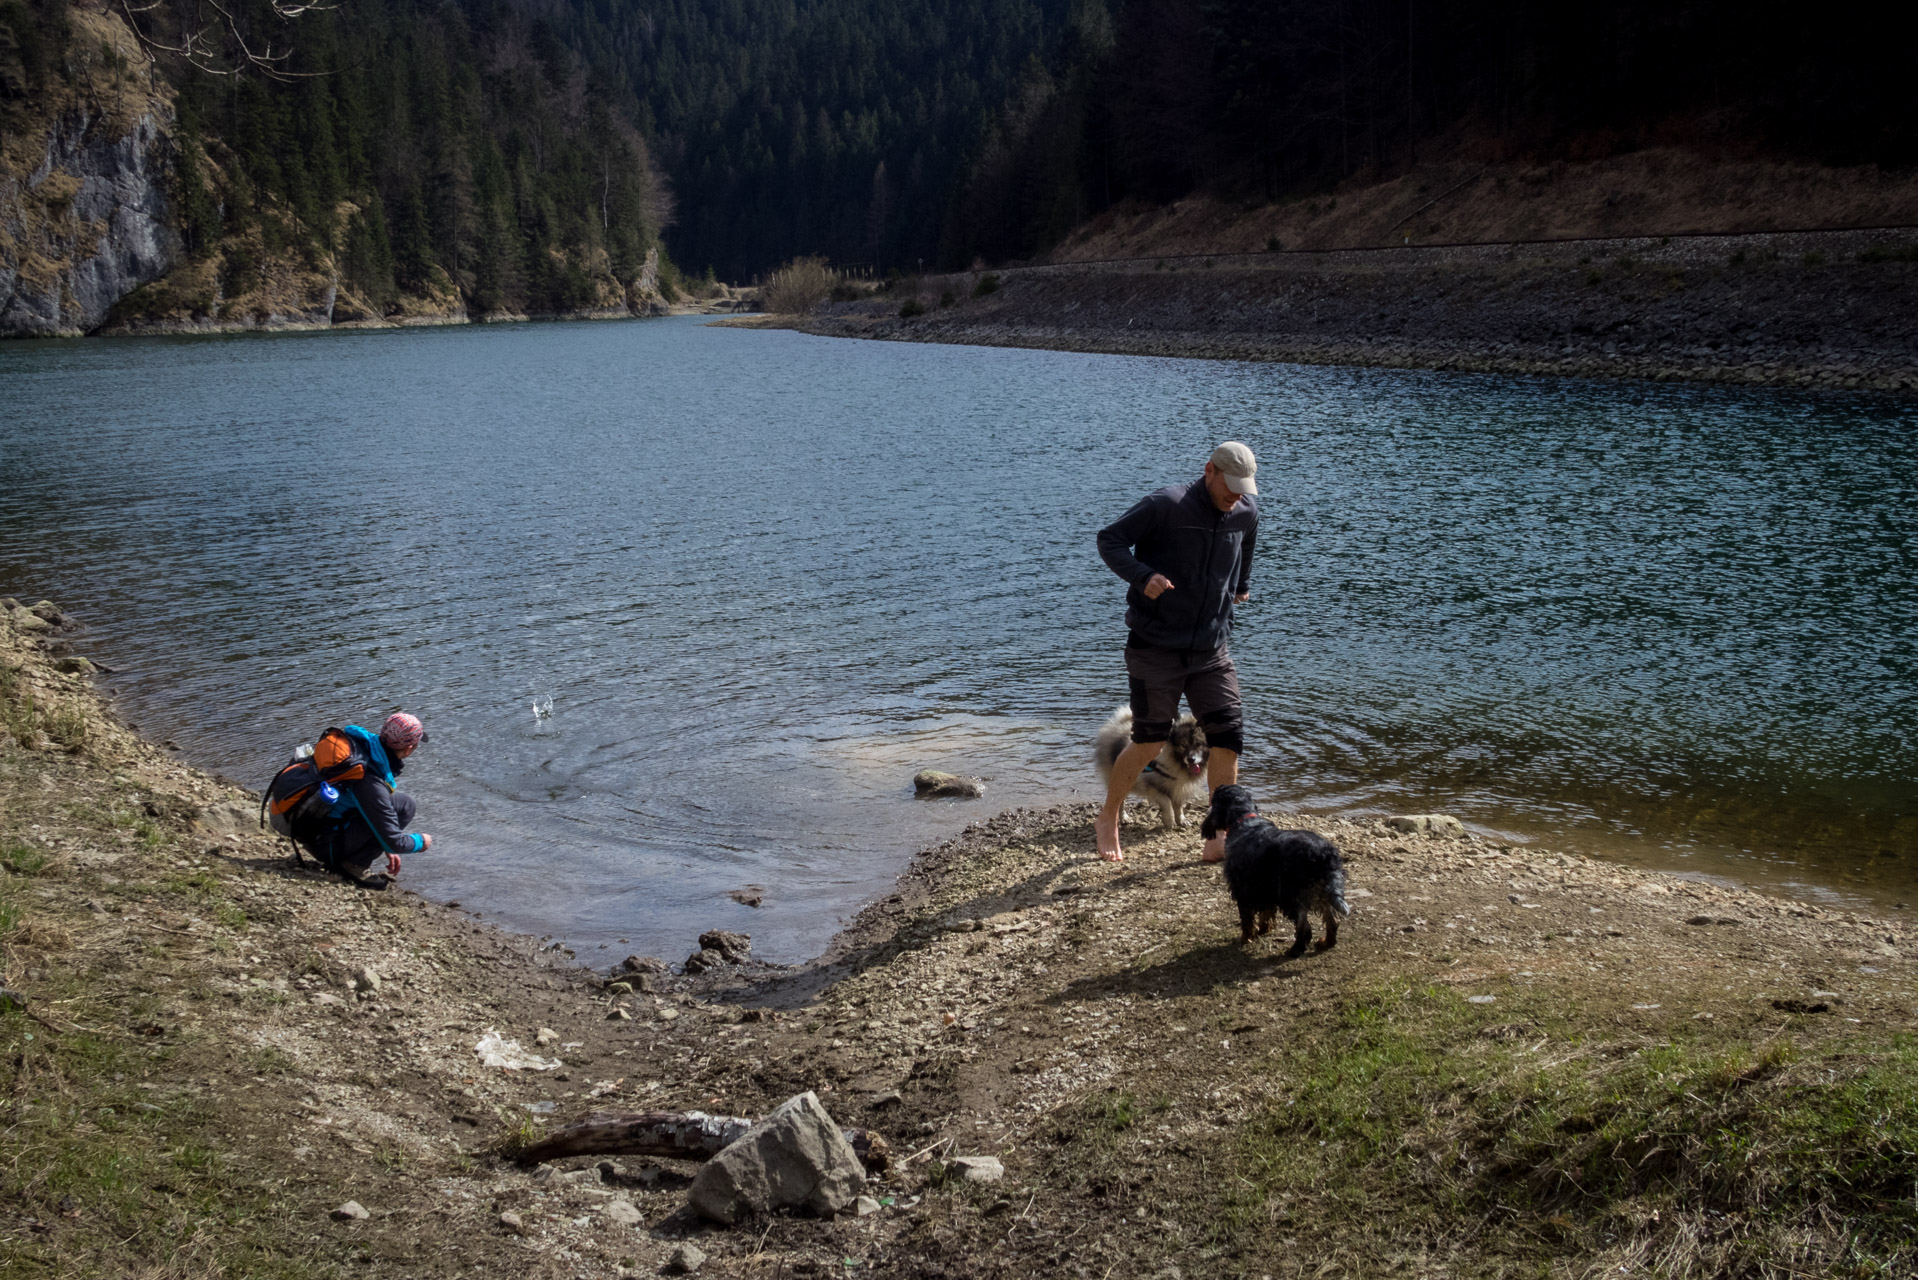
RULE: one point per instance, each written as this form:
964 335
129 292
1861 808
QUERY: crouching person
341 802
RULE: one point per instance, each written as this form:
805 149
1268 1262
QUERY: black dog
1273 872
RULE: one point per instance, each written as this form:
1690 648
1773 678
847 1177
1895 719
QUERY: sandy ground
253 1045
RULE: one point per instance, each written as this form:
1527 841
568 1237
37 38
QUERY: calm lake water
763 577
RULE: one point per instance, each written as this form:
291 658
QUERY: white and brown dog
1174 779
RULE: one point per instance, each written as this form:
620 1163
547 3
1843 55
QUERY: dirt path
217 1051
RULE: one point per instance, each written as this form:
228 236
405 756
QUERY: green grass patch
1422 1118
23 859
107 1177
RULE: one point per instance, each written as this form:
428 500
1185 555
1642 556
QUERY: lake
764 577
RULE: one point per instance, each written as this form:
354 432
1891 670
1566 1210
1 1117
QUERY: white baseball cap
1236 463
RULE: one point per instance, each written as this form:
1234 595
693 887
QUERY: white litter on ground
494 1051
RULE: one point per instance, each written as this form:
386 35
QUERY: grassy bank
1517 1062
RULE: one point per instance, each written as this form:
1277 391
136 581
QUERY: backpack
303 802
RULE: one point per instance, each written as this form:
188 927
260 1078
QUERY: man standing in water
1186 553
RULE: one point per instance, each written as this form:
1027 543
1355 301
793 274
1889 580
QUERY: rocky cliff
84 177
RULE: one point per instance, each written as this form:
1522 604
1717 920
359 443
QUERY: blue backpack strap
375 752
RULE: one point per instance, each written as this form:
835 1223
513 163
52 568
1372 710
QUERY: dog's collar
1241 818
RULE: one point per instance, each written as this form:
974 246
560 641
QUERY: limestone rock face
87 225
795 1158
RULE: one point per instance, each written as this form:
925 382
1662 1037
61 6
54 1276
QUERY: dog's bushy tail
1335 889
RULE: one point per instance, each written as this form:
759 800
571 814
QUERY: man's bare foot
1105 832
1214 850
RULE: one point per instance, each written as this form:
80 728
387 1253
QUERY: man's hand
1242 597
426 842
392 864
1157 585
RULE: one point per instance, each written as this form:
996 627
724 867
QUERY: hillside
1658 191
397 166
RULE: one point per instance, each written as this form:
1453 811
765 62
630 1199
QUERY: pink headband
402 732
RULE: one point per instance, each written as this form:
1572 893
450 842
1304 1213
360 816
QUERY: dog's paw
1325 944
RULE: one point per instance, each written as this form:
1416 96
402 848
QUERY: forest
510 150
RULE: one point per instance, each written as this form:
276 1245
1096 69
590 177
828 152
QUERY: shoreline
222 328
1823 310
249 1046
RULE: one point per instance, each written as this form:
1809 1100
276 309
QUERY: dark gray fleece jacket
1206 553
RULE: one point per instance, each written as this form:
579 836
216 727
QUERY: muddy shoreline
216 1050
1829 310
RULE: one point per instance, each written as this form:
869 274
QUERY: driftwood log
674 1135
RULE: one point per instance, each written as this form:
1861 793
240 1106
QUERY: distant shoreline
1828 309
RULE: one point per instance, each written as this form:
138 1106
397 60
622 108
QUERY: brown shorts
1205 678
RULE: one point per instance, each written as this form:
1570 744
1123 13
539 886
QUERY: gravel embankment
1808 309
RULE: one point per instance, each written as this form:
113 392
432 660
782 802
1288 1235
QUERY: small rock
751 896
367 978
889 1098
24 621
621 1213
513 1223
1443 825
351 1211
10 997
619 1014
975 1168
931 784
619 988
643 964
543 1173
74 666
737 948
545 1036
685 1260
704 960
865 1207
230 817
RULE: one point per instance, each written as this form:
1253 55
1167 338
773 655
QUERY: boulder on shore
1443 825
737 948
795 1158
930 784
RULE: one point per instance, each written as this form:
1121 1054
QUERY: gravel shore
1804 309
213 1051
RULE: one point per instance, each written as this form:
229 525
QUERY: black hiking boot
365 877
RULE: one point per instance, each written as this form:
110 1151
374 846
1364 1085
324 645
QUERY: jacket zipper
1205 575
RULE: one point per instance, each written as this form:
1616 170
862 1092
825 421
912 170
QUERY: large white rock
795 1157
1443 825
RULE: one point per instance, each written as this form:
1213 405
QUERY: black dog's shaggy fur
1271 872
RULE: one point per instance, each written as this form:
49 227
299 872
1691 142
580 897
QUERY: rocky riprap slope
1825 309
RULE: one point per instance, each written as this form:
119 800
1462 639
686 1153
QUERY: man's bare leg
1221 770
1125 771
